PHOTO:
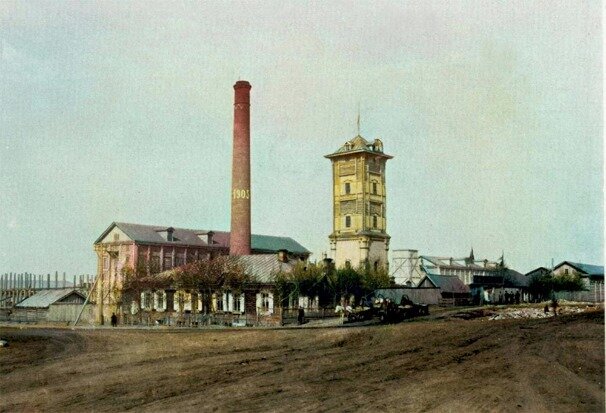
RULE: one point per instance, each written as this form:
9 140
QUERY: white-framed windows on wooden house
228 301
147 300
160 300
265 303
220 304
106 263
238 303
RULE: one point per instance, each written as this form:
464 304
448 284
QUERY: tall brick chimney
239 241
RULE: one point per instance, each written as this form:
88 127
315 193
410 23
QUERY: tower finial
358 118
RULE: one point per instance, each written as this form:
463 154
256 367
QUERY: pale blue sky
122 111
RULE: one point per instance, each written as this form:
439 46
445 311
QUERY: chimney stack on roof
239 240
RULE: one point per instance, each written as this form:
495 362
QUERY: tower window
347 221
347 187
374 188
375 223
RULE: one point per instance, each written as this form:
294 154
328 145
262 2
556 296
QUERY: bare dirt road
536 365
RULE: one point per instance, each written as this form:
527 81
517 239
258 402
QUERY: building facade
359 233
159 249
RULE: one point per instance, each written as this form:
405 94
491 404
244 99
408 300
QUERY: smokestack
239 241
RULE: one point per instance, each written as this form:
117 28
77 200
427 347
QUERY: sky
123 111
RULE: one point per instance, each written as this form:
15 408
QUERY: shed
44 298
451 287
62 305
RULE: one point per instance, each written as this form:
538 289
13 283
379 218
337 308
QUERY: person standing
114 319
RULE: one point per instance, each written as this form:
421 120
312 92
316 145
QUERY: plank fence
16 287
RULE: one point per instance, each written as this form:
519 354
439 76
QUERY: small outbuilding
452 290
55 305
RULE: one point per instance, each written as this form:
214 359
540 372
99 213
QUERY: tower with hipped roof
359 204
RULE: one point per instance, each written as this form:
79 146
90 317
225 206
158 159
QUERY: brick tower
239 243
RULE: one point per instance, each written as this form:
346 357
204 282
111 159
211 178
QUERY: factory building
359 233
161 249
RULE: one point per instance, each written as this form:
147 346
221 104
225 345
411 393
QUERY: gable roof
44 298
539 269
586 269
151 234
446 283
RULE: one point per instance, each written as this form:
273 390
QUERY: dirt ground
454 365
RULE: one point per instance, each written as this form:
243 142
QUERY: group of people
509 298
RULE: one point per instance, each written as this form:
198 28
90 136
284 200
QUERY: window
265 301
227 300
566 271
347 221
375 223
376 265
160 299
155 264
146 300
347 264
238 303
116 237
220 302
374 188
168 262
347 188
106 263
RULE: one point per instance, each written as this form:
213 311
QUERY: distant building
359 197
408 267
590 274
465 268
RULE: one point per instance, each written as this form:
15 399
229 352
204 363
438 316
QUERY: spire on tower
358 118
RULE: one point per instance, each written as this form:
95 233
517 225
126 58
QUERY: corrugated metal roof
183 236
263 267
44 298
